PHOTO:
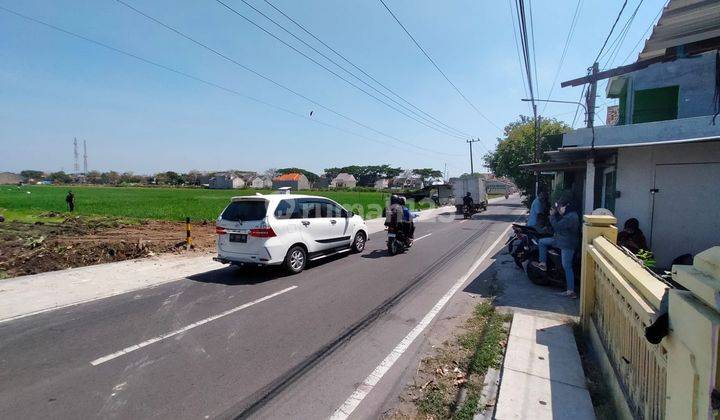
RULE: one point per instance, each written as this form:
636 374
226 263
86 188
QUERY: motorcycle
523 243
469 210
555 274
397 240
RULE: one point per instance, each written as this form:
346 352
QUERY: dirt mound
40 247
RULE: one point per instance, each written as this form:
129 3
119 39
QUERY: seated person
632 237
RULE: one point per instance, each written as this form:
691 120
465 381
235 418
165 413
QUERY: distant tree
130 178
110 178
193 177
271 173
365 175
517 147
32 174
60 177
427 174
174 178
93 177
311 176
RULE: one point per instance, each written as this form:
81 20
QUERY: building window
655 104
608 189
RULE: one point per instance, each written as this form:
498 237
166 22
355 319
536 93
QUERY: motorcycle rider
566 225
408 224
394 213
468 200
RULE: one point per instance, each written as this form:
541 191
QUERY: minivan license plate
238 237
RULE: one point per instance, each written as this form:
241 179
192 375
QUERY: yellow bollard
188 237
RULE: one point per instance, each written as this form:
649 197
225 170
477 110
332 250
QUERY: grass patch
28 202
459 363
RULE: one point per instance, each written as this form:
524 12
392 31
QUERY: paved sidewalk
542 375
30 295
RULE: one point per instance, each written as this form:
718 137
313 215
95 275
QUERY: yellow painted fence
677 378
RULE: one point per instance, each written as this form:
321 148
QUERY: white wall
636 177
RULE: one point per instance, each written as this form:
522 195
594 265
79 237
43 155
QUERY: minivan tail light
263 232
220 230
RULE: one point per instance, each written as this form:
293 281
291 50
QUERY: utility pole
85 171
76 163
472 165
590 98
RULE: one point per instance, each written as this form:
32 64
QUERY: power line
307 31
443 129
534 55
568 38
617 43
228 7
190 76
264 77
611 30
437 67
517 51
652 23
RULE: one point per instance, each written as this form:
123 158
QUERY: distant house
261 182
293 180
382 184
344 180
9 178
226 181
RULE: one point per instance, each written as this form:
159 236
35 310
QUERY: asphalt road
235 343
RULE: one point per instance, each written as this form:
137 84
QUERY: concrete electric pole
472 165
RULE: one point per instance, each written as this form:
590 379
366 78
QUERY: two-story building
660 163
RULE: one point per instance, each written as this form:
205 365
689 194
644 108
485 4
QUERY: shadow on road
235 276
515 205
376 253
495 217
512 289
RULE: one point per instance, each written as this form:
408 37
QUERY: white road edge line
186 328
424 236
347 408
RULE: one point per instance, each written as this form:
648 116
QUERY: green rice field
25 203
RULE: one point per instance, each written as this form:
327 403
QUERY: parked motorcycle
397 240
523 243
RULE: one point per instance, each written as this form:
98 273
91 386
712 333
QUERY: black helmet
402 200
394 199
468 194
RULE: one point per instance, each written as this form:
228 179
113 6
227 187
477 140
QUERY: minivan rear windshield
245 211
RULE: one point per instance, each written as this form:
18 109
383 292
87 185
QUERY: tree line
365 175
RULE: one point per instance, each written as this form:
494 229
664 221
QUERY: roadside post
188 237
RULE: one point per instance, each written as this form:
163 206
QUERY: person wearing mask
631 237
566 225
538 207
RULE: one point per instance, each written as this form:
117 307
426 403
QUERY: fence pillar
692 369
593 227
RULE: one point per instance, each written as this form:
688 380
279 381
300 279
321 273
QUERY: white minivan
288 229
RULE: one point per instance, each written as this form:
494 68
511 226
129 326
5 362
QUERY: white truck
475 185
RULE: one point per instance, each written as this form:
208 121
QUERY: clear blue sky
139 118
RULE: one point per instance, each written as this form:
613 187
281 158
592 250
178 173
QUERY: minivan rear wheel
296 259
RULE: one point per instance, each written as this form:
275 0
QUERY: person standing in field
70 200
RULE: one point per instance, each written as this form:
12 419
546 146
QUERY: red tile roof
292 176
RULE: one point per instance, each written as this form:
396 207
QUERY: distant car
286 229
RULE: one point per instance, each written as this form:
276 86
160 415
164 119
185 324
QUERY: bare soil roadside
32 248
